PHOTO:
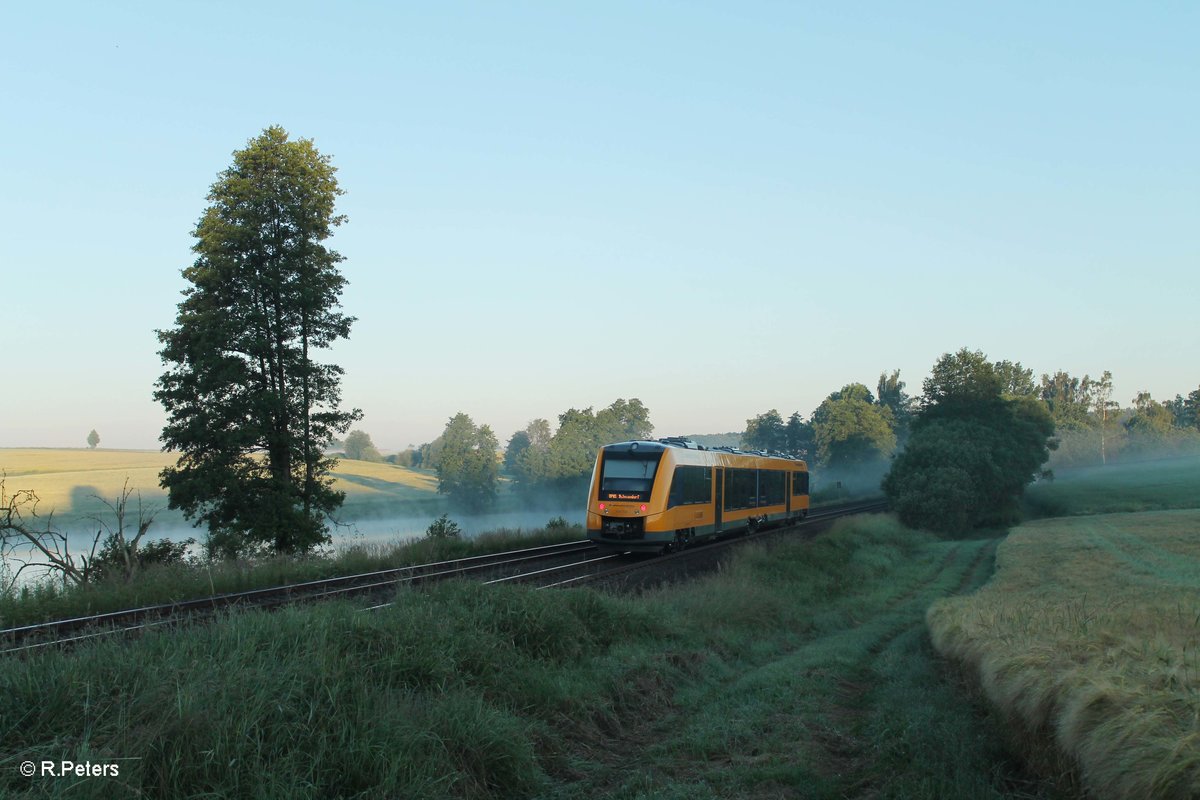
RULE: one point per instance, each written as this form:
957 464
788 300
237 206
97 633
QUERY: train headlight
643 508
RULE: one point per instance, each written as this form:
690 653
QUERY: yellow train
659 496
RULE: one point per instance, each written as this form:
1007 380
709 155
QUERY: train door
719 483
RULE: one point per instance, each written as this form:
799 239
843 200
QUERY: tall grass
1088 639
442 695
197 578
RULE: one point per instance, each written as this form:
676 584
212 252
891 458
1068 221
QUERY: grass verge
49 600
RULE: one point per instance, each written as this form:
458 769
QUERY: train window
772 487
627 478
799 483
690 485
741 489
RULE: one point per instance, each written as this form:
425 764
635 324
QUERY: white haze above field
717 210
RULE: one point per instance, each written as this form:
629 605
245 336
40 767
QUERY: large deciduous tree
249 409
973 447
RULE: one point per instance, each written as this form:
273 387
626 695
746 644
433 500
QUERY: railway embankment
799 668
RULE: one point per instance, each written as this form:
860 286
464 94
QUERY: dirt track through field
806 721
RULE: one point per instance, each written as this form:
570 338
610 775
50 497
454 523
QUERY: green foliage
514 453
851 430
768 432
890 391
110 562
797 435
765 432
405 458
971 451
248 408
963 379
1015 380
467 468
443 528
560 464
93 439
359 447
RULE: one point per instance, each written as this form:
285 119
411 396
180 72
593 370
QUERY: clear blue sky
717 208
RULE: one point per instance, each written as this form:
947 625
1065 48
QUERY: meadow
801 670
1087 640
1131 486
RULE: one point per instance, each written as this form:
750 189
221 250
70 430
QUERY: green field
1088 641
1137 486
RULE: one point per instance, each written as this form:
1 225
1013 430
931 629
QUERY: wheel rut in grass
802 717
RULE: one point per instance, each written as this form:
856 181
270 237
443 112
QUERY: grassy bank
1088 640
800 671
49 600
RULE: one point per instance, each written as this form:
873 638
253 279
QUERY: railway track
551 566
27 638
644 572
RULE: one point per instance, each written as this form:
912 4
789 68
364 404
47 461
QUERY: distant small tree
1103 405
765 432
359 447
851 430
518 445
1015 380
405 458
798 435
1151 422
93 439
468 469
443 528
890 390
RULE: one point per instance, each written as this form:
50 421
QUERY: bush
443 528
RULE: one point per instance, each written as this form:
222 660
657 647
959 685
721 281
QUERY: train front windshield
627 478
